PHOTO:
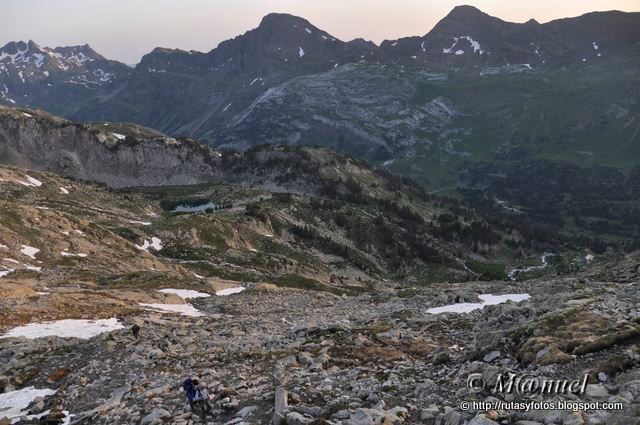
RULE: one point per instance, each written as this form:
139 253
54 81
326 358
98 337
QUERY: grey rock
157 416
451 416
489 357
246 411
295 418
360 417
481 420
429 415
597 392
145 158
281 403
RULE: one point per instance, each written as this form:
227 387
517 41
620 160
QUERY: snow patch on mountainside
474 44
183 309
229 291
155 244
185 293
68 328
15 404
29 251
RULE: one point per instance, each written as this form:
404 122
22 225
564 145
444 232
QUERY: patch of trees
452 229
595 200
329 246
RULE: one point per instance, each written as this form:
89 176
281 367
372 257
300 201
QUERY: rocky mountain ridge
469 37
41 76
114 154
214 96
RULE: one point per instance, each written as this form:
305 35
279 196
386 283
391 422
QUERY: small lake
194 208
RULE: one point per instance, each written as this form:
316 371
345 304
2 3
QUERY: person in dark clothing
198 398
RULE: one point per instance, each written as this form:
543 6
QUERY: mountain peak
463 20
33 45
14 46
279 19
465 11
80 53
467 15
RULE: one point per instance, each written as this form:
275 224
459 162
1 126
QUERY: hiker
135 330
197 397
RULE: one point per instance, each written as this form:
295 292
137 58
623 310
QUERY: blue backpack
189 389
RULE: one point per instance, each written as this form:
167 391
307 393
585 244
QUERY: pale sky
127 29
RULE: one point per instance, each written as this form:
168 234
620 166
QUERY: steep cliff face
363 109
118 155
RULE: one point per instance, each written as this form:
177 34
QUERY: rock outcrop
118 155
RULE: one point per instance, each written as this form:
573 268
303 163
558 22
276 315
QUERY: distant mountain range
60 79
468 36
474 88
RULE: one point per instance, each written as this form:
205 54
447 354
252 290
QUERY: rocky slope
365 109
407 228
115 154
331 316
296 357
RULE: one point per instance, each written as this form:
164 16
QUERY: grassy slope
556 114
369 227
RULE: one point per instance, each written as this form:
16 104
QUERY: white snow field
185 293
487 299
68 328
183 309
230 291
14 404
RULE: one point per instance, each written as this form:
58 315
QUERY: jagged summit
80 52
277 34
63 57
32 46
54 78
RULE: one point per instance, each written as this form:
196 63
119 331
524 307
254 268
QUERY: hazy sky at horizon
127 29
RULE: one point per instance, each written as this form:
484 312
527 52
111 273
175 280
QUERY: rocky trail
290 356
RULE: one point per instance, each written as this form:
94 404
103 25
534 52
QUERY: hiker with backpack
198 398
